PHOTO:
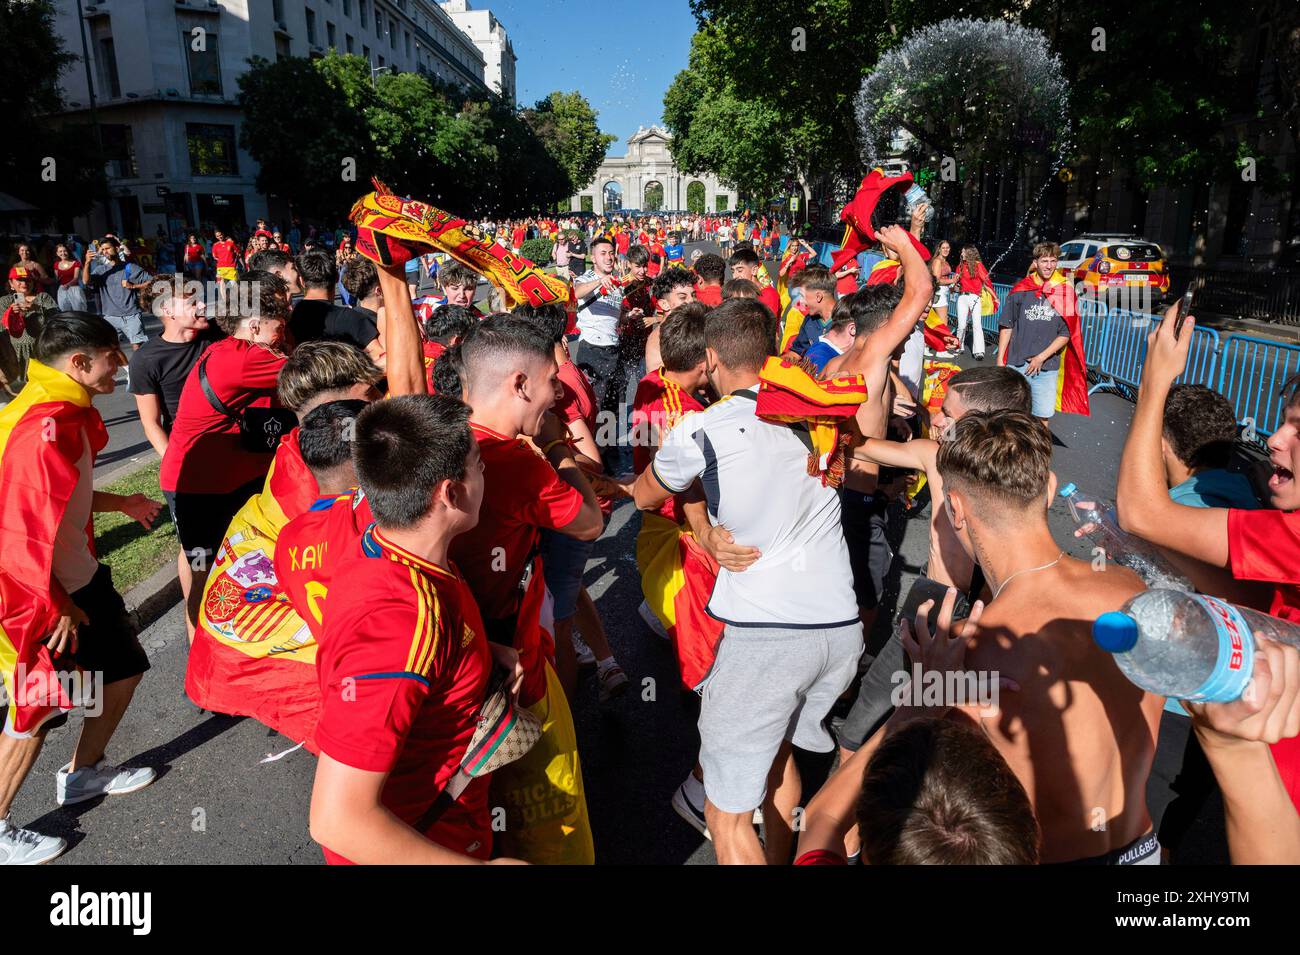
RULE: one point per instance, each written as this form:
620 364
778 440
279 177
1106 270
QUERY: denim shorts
1042 390
564 560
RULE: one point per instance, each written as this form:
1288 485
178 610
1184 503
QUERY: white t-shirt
74 564
598 322
756 481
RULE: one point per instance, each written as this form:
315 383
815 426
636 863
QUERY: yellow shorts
230 274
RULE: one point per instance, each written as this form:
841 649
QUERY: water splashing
974 90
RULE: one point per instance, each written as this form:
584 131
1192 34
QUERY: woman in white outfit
972 279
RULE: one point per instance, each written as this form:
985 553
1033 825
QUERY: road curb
150 599
137 463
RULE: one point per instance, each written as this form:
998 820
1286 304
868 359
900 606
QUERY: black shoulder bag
260 429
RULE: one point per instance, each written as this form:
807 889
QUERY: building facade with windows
164 77
647 179
490 36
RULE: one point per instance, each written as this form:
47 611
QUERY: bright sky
621 54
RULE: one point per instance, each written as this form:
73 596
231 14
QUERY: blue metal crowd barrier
1248 371
1252 372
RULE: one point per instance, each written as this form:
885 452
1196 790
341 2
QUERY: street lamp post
373 71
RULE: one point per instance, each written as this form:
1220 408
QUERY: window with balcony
212 149
282 48
379 24
363 12
311 28
330 35
408 44
347 39
347 8
277 10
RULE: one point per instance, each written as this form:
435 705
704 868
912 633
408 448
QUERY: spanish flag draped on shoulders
677 574
44 433
1072 383
253 655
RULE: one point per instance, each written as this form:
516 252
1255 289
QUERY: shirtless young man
975 389
1078 735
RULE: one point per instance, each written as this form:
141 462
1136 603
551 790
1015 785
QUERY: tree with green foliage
566 124
48 163
1157 109
654 197
768 92
696 195
422 137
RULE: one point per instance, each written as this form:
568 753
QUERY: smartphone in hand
1184 308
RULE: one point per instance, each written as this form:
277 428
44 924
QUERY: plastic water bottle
1100 525
914 197
1188 646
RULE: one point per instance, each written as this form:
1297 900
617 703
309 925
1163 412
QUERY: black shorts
201 519
107 646
864 521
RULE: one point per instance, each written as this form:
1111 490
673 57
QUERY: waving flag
787 392
1072 382
252 654
43 434
392 229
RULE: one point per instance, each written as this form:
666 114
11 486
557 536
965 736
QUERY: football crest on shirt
467 636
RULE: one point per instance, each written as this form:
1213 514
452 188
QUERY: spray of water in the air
972 89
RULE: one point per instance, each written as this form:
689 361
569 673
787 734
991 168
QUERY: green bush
538 250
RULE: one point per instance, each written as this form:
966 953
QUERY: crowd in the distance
385 509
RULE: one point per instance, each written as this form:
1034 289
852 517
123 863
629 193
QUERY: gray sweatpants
769 685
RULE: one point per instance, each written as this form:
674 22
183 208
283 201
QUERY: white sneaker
613 682
102 779
583 652
688 810
652 621
25 847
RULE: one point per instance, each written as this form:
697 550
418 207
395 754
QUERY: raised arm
403 352
1142 498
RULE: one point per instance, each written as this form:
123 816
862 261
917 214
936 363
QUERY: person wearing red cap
23 314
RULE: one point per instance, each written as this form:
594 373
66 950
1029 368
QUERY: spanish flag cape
677 573
789 393
253 655
1072 382
43 434
392 229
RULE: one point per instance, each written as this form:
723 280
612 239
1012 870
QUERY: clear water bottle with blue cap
1097 520
1188 646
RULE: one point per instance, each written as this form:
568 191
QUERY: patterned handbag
504 734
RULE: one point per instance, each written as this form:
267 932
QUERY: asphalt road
218 802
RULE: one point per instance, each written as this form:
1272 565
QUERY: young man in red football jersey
225 253
404 662
311 546
710 270
564 558
509 375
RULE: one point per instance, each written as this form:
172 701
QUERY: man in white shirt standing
792 635
600 302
